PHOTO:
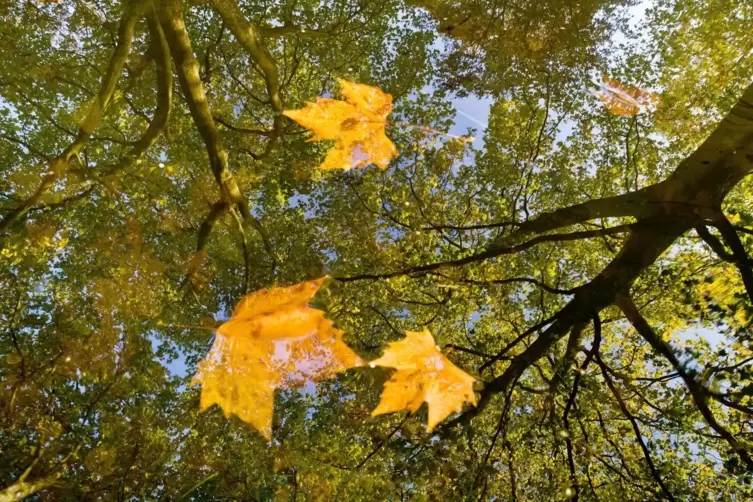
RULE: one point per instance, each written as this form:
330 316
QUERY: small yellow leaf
423 375
356 124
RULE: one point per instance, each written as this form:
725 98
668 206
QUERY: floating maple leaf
621 99
423 375
357 124
274 340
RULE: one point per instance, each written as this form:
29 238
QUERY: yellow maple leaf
274 340
357 124
423 375
622 99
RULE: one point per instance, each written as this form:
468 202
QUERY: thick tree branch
589 357
22 489
636 204
739 255
644 245
171 18
250 37
665 211
218 210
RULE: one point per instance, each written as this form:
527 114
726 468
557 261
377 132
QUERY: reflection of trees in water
147 184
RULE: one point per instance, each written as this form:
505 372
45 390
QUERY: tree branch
494 251
250 37
739 255
26 145
171 18
638 437
699 393
287 29
258 132
161 56
513 280
60 164
643 247
714 243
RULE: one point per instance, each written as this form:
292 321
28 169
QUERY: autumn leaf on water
356 124
622 99
423 375
274 340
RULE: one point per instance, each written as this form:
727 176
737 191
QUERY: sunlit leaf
423 375
357 124
273 341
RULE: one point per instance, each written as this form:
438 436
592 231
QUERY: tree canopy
551 301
